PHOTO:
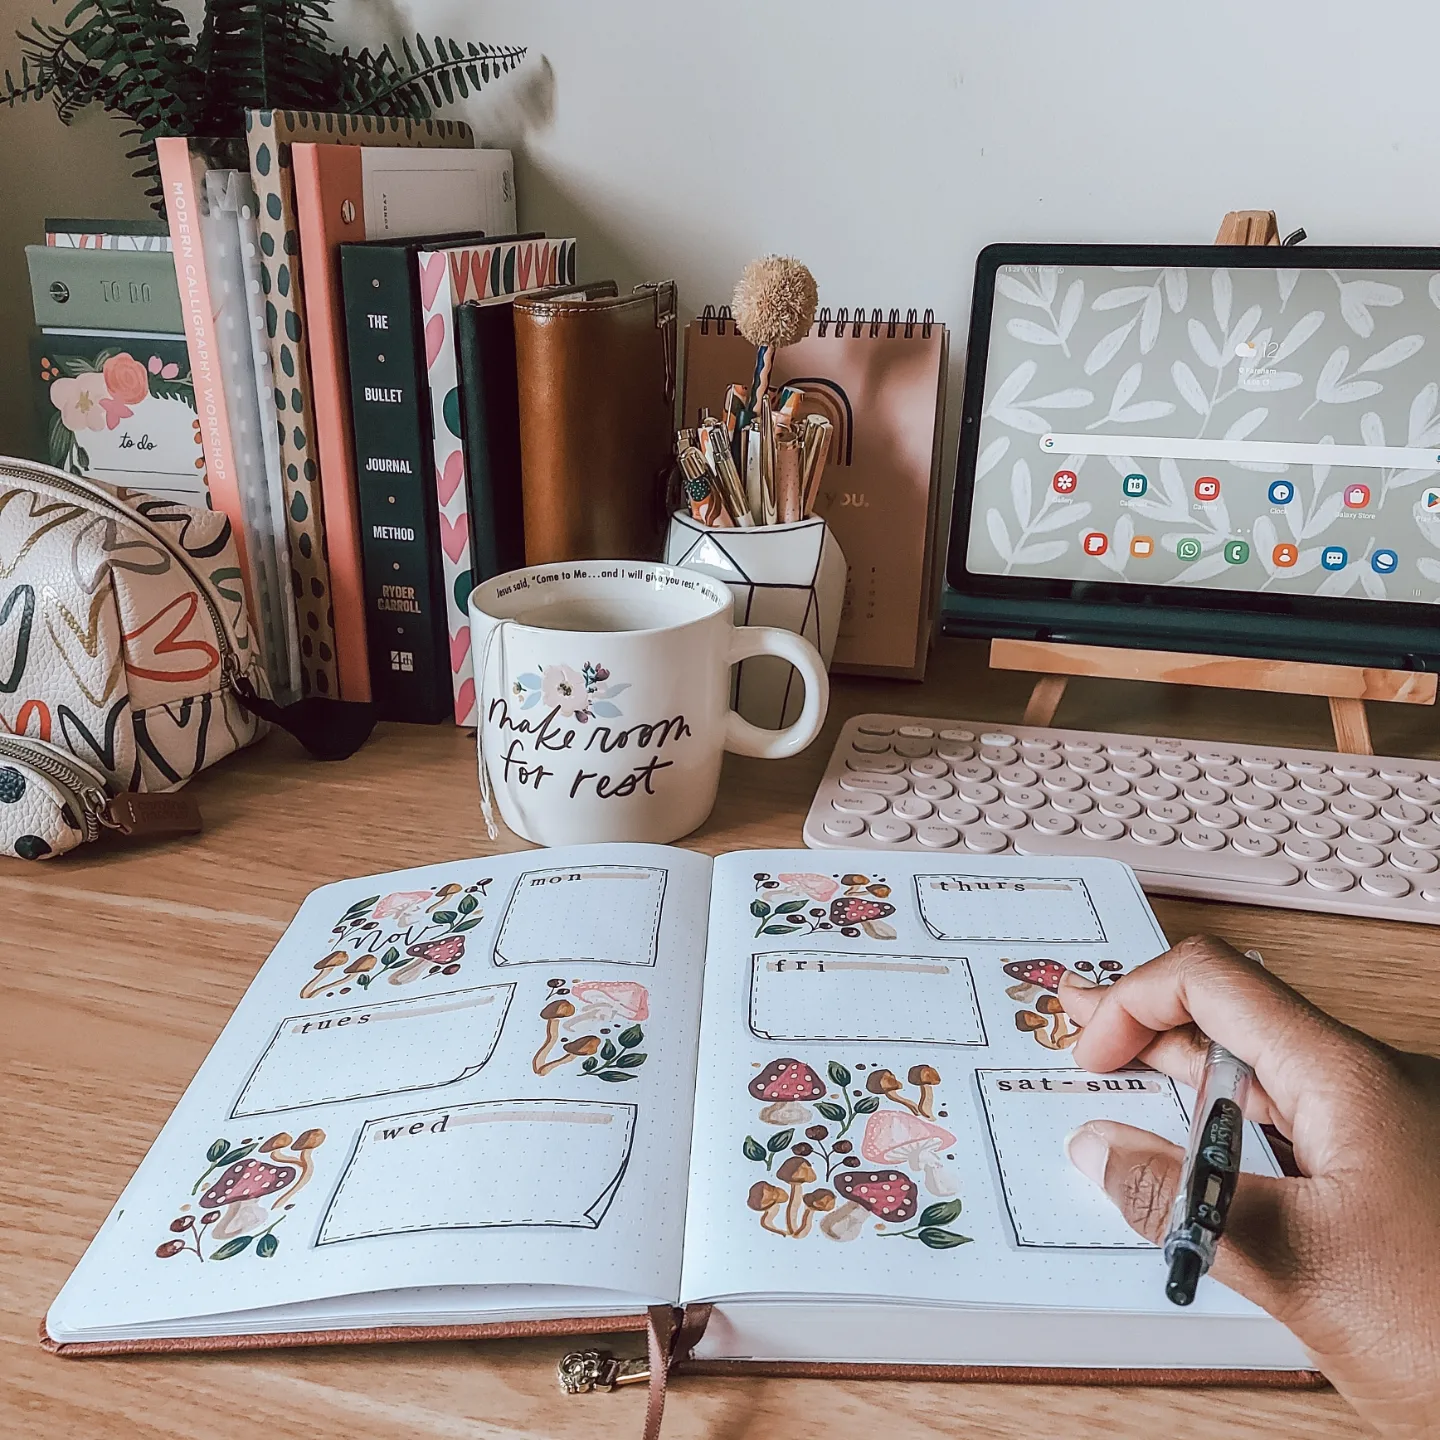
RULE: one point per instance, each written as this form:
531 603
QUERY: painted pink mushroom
784 1084
403 905
608 1002
896 1137
886 1194
820 888
238 1193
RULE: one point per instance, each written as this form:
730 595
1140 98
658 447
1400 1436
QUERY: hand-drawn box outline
595 1212
960 961
499 963
1011 880
410 1000
1139 1244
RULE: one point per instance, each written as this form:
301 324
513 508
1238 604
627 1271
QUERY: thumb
1140 1173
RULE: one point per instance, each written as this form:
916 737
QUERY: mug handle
746 739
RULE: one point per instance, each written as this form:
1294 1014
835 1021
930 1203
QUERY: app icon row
1207 488
1237 552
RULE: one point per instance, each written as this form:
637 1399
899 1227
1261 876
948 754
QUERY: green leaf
231 1156
390 956
838 1074
942 1239
589 1064
790 906
467 904
266 1246
217 1150
359 908
868 1105
941 1214
779 1141
777 930
234 1247
468 924
759 909
632 1059
616 1075
831 1111
753 1149
608 1051
631 1035
443 917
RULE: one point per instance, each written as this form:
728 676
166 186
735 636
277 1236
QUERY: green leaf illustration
467 904
838 1074
868 1105
779 1141
468 924
753 1149
790 906
444 917
941 1214
776 930
759 909
589 1064
616 1075
234 1247
608 1051
831 1111
217 1150
359 908
632 1059
631 1035
390 956
266 1246
231 1156
942 1239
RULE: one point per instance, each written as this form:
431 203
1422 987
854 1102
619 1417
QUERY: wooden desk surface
121 966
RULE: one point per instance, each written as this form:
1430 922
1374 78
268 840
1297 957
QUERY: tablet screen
1247 429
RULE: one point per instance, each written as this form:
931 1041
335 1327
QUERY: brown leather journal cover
597 399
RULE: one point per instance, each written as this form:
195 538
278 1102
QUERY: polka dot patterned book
806 1119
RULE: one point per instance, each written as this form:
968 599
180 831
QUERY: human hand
1348 1255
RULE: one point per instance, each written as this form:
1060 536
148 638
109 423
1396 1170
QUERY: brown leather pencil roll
597 392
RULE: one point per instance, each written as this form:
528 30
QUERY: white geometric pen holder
790 576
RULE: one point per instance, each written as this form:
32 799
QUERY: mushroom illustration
857 909
605 1002
443 950
442 895
886 1084
766 1199
820 1202
796 1172
1061 1034
236 1194
552 1014
302 1145
895 1138
783 1084
361 965
1047 974
1027 1022
927 1078
819 888
403 905
573 1050
324 974
886 1194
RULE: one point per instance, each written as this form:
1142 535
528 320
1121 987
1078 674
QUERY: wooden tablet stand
1346 687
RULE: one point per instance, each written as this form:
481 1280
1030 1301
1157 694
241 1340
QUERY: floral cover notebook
823 1102
121 409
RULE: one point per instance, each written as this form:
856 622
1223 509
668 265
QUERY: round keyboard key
1179 770
1202 792
890 831
1088 764
1399 772
1111 784
1040 742
1257 763
1122 807
1276 781
1432 895
1152 832
861 804
1268 822
844 827
912 749
1005 817
1044 760
1134 767
1402 812
998 755
958 812
1016 775
912 807
1026 798
1170 750
935 836
917 732
1156 787
875 764
1050 821
1218 817
963 737
1385 882
1202 837
1072 804
986 841
1358 854
1301 847
1102 827
871 744
1062 782
1419 791
972 770
1297 802
998 737
1372 832
1370 789
930 768
1417 862
1320 827
874 784
874 726
1347 807
1330 877
1306 767
978 792
1207 755
953 750
1083 747
933 789
1352 770
1326 785
1170 812
1422 837
1125 750
1248 842
1251 797
1227 775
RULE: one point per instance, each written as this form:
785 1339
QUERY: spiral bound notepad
879 380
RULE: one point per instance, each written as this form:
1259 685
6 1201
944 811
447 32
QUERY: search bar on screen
1274 452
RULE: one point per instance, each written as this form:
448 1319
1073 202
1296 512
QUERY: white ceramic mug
604 697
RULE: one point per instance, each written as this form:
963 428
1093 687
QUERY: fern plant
139 60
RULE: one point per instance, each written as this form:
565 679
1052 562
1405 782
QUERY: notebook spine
399 518
838 322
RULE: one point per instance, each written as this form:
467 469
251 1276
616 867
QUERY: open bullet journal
818 1098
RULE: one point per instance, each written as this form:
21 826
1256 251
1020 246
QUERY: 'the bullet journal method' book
819 1104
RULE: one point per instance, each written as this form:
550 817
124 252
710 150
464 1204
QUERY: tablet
1209 448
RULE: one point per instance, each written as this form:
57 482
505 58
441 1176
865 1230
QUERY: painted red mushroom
896 1137
886 1194
784 1084
443 950
239 1190
1047 974
857 909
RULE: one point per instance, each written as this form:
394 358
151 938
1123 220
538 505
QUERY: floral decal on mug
582 694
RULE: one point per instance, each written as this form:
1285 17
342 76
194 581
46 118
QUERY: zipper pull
146 815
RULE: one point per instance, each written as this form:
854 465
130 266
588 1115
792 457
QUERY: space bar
1175 859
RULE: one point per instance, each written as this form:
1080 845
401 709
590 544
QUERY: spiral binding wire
839 321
